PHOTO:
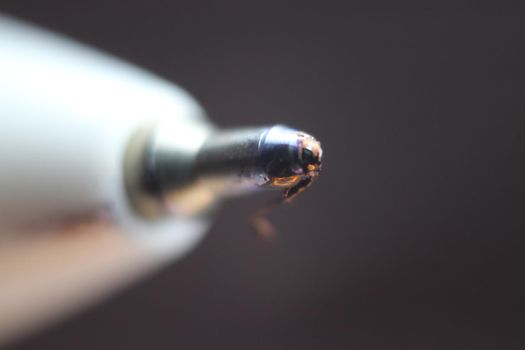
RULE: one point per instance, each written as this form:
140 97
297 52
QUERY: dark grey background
413 238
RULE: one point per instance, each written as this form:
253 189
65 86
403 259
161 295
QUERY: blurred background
413 236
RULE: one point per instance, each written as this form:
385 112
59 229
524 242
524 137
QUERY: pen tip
293 159
310 152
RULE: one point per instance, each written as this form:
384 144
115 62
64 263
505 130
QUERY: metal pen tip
292 158
169 178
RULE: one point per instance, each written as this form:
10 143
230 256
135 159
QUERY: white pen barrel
67 113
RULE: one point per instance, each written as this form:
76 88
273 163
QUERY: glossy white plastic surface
67 232
66 115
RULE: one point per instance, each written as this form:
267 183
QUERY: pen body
67 231
67 114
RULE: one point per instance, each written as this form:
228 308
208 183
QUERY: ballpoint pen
108 171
